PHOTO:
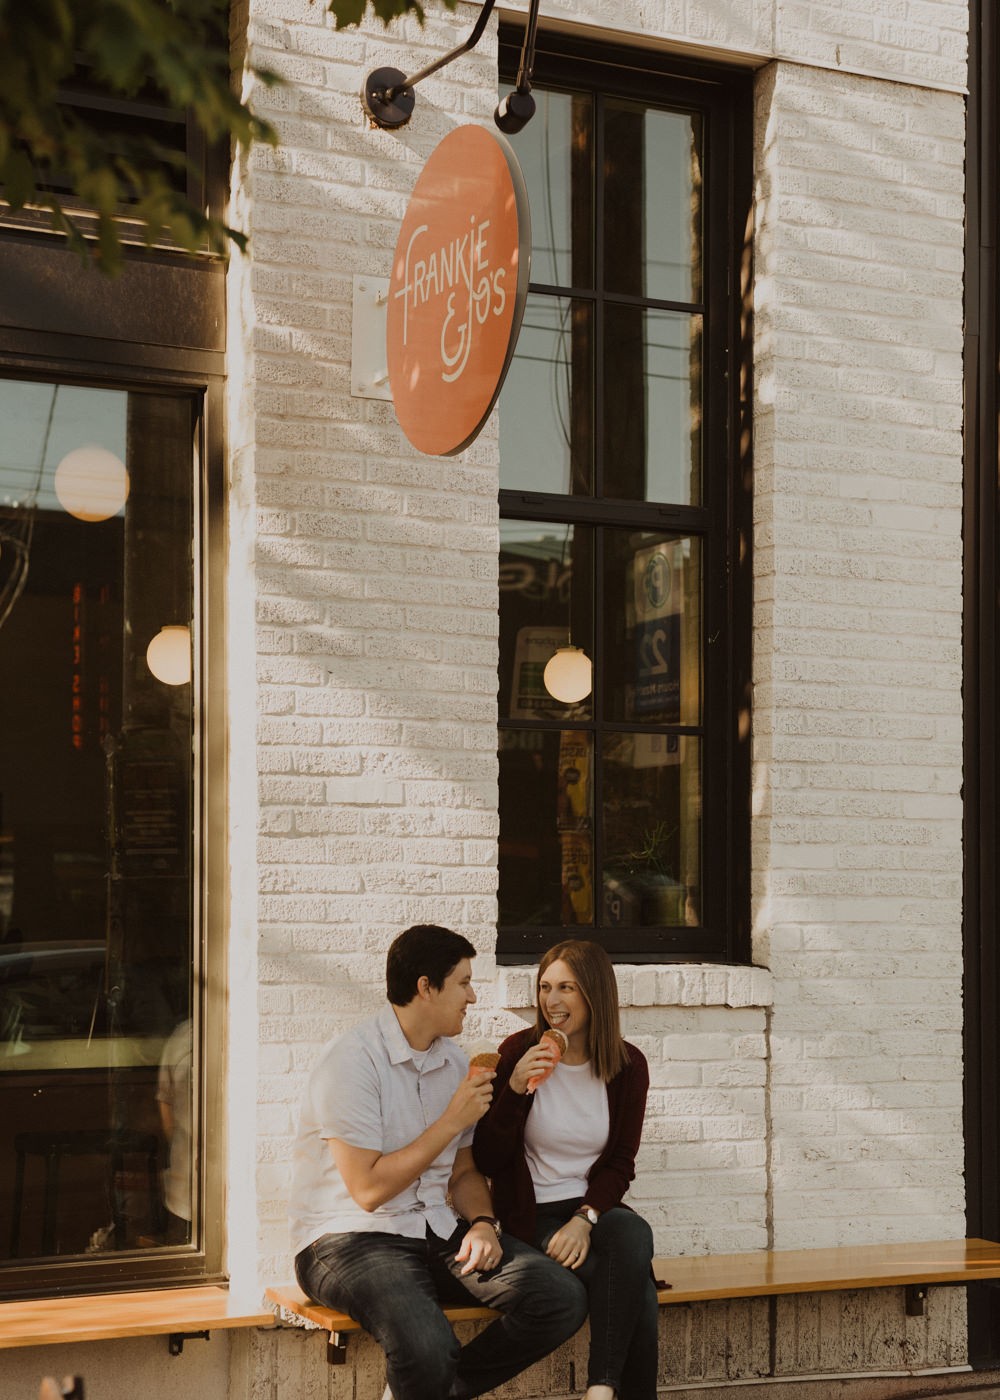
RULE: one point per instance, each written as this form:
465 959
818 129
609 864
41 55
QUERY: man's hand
470 1101
570 1244
481 1249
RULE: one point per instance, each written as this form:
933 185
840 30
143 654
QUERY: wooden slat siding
704 1278
104 1316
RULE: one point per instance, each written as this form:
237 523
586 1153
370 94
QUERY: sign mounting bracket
388 98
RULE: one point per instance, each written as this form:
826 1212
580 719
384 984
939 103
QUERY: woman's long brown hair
594 975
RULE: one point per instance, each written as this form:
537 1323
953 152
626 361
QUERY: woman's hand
570 1244
539 1058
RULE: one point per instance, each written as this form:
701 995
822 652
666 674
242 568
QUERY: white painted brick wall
857 669
917 41
371 576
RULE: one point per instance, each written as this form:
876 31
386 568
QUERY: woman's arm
615 1168
500 1133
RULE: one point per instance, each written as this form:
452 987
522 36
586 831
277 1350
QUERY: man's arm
373 1177
470 1195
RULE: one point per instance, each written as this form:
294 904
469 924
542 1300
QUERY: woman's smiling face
563 1004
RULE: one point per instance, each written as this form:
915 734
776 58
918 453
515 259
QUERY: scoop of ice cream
486 1060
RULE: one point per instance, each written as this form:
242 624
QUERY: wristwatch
588 1213
489 1220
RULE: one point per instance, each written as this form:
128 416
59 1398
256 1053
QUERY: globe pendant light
168 655
569 675
91 483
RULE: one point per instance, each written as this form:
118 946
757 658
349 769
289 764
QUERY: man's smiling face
449 1003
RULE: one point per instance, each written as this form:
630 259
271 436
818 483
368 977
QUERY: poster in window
657 574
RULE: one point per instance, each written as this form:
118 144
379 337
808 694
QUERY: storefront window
98 802
623 481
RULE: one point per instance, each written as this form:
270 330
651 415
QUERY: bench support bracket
916 1295
336 1348
176 1340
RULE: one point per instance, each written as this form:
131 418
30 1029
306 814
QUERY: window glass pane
546 846
546 592
546 407
96 527
555 151
652 830
652 203
652 405
652 628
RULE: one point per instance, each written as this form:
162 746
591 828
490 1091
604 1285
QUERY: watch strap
487 1220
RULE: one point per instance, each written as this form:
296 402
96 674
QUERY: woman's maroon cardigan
498 1146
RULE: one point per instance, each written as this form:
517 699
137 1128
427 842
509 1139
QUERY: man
382 1155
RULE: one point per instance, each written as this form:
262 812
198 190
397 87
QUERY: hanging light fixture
569 675
91 483
168 655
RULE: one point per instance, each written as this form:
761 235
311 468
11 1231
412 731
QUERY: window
624 515
97 795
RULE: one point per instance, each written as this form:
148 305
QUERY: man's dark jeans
394 1286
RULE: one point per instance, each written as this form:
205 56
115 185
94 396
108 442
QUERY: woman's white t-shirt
566 1130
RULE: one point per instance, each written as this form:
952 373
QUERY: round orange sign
457 292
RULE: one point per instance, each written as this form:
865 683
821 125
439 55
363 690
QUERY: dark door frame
981 567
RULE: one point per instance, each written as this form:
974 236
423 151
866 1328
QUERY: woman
561 1158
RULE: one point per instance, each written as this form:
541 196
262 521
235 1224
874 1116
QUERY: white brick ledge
651 984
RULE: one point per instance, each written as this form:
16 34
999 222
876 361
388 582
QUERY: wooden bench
763 1274
178 1313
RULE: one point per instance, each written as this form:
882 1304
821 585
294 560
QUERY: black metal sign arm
388 97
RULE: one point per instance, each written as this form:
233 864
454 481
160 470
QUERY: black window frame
160 328
723 96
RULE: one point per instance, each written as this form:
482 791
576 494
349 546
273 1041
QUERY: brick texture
857 635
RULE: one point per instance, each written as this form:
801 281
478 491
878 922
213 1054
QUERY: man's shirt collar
399 1048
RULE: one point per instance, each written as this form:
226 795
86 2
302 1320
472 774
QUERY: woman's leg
624 1313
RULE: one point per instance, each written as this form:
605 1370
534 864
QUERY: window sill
671 984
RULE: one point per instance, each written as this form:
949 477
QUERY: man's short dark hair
425 950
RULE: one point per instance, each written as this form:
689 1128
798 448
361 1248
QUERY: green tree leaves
350 12
56 155
180 48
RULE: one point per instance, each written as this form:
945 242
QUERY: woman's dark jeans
624 1312
394 1286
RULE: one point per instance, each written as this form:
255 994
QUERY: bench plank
103 1316
762 1274
290 1297
701 1278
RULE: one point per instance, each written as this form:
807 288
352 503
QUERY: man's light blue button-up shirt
370 1089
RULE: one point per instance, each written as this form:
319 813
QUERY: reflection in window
652 809
546 815
646 841
652 628
652 409
624 511
555 152
652 202
546 577
96 774
547 444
